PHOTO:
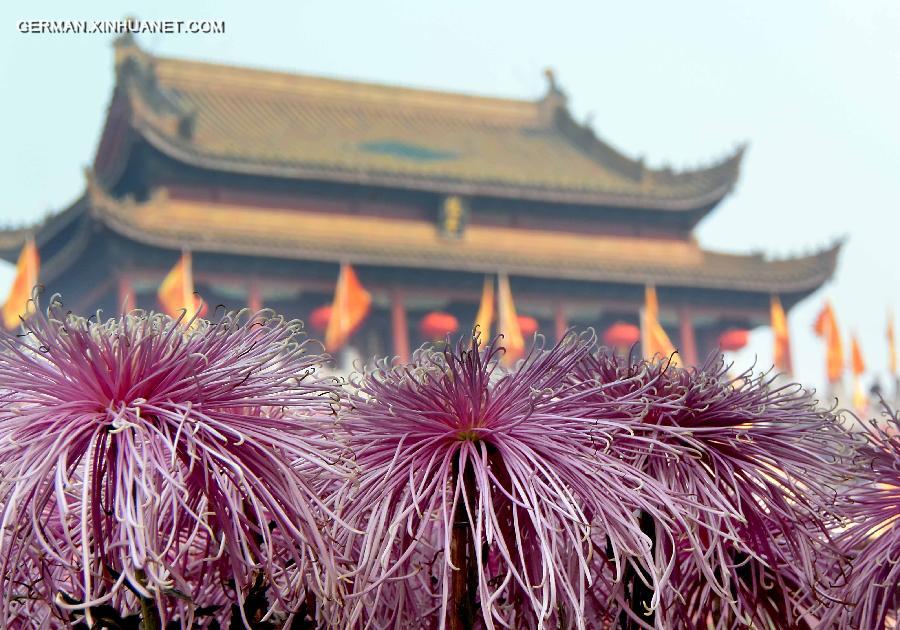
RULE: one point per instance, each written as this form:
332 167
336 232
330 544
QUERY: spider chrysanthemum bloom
145 464
758 466
480 496
873 539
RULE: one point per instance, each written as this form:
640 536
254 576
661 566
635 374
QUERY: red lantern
437 325
734 339
319 318
528 325
622 335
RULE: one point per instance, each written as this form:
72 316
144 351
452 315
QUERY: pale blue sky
813 86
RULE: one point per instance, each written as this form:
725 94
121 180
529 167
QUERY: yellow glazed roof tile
258 121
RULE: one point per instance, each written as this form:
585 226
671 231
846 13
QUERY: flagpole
643 316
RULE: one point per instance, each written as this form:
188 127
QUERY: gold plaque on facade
454 213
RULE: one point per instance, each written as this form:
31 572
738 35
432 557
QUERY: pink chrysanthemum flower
873 538
148 467
758 466
481 495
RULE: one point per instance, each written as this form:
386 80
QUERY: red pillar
399 326
125 294
560 324
688 349
254 298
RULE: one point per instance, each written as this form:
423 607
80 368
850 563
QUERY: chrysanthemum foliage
161 466
483 492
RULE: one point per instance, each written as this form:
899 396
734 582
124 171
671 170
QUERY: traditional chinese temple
273 180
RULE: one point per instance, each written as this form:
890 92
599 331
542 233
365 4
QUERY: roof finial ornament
551 80
89 176
553 100
126 39
126 46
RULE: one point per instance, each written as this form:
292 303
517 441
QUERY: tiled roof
288 233
300 235
261 122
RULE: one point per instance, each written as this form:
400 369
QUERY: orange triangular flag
348 310
508 322
655 341
781 334
27 272
176 293
892 345
485 316
824 320
857 364
827 328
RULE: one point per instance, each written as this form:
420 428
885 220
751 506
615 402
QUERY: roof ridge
724 171
820 255
228 78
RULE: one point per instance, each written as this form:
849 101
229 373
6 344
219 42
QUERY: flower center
469 435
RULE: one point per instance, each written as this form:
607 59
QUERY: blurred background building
273 180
